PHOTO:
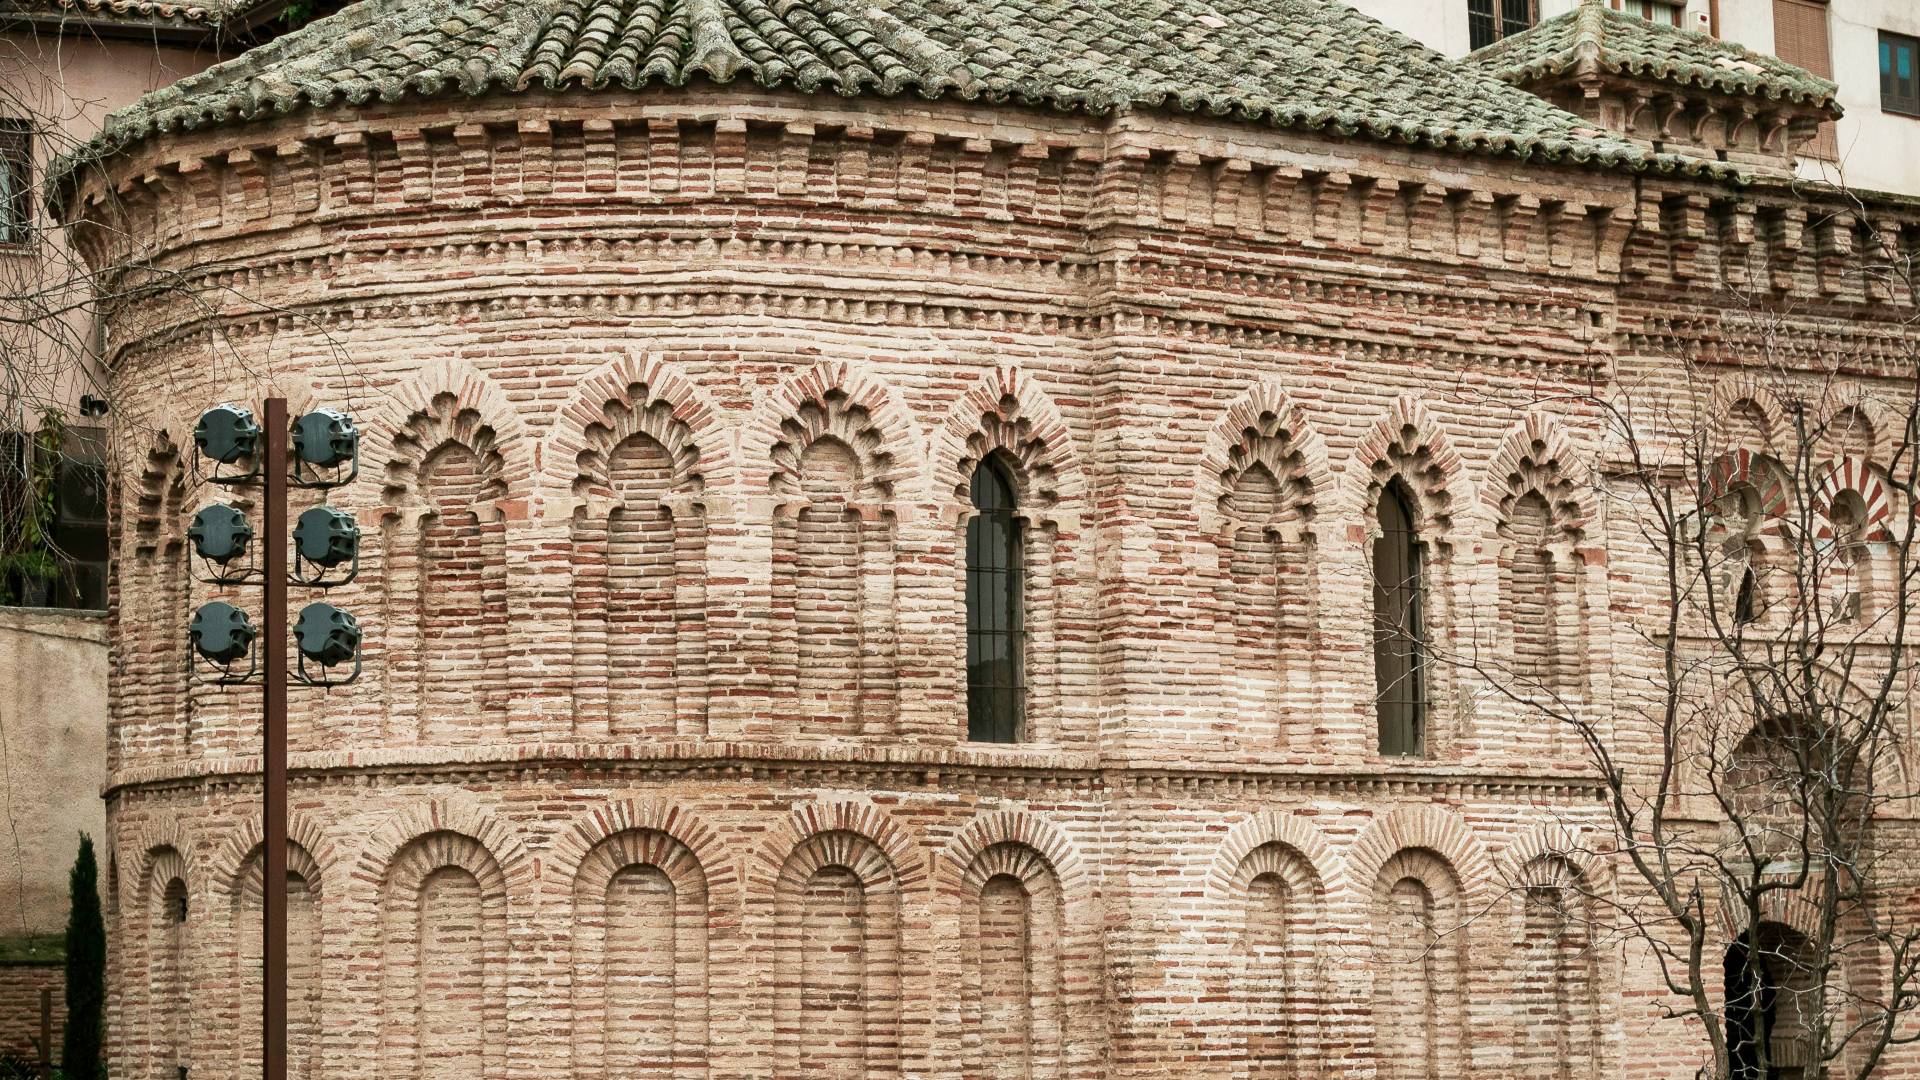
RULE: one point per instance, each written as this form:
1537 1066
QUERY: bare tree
54 355
48 341
1751 756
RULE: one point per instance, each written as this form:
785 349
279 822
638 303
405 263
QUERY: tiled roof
1644 48
1308 64
206 13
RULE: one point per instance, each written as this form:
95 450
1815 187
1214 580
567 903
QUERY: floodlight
227 433
326 438
327 635
221 632
326 537
220 533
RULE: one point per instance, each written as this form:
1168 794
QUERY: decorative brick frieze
673 401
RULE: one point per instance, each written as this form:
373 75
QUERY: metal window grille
16 182
1899 73
1516 16
1490 20
1399 651
996 584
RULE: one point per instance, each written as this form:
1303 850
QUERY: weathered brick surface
659 765
20 986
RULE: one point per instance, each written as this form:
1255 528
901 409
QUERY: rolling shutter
1800 38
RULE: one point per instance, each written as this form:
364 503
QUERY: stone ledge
78 625
678 754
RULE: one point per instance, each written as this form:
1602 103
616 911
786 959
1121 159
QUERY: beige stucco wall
65 85
53 746
1879 151
53 663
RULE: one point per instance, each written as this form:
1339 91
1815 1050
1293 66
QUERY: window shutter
1800 38
1800 35
1899 73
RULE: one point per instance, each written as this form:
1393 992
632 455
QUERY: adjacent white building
1871 48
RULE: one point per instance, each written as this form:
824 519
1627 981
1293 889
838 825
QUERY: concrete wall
1879 151
53 727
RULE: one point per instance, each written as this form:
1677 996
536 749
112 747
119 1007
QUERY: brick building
1868 47
64 66
872 527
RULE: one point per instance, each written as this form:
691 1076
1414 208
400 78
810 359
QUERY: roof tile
1631 45
1314 64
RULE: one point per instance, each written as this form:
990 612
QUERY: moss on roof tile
1311 64
1638 47
207 13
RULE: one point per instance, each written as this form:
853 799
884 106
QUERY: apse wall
660 762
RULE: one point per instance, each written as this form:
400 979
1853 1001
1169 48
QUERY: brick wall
20 987
659 761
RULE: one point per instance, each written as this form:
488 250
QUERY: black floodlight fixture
324 441
325 538
223 635
228 434
328 637
220 535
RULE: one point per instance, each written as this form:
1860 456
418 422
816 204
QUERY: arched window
1399 655
996 675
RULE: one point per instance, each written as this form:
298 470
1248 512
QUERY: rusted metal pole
46 1033
273 1003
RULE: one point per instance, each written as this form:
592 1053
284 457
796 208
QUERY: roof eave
114 27
238 25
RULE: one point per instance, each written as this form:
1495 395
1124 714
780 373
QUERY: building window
996 676
1399 652
53 518
1657 10
16 182
1899 79
1800 38
1490 20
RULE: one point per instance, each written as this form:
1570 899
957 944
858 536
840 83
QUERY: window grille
1399 650
996 583
1490 20
16 182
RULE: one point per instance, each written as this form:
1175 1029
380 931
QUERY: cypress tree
86 970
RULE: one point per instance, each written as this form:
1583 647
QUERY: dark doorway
1768 991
